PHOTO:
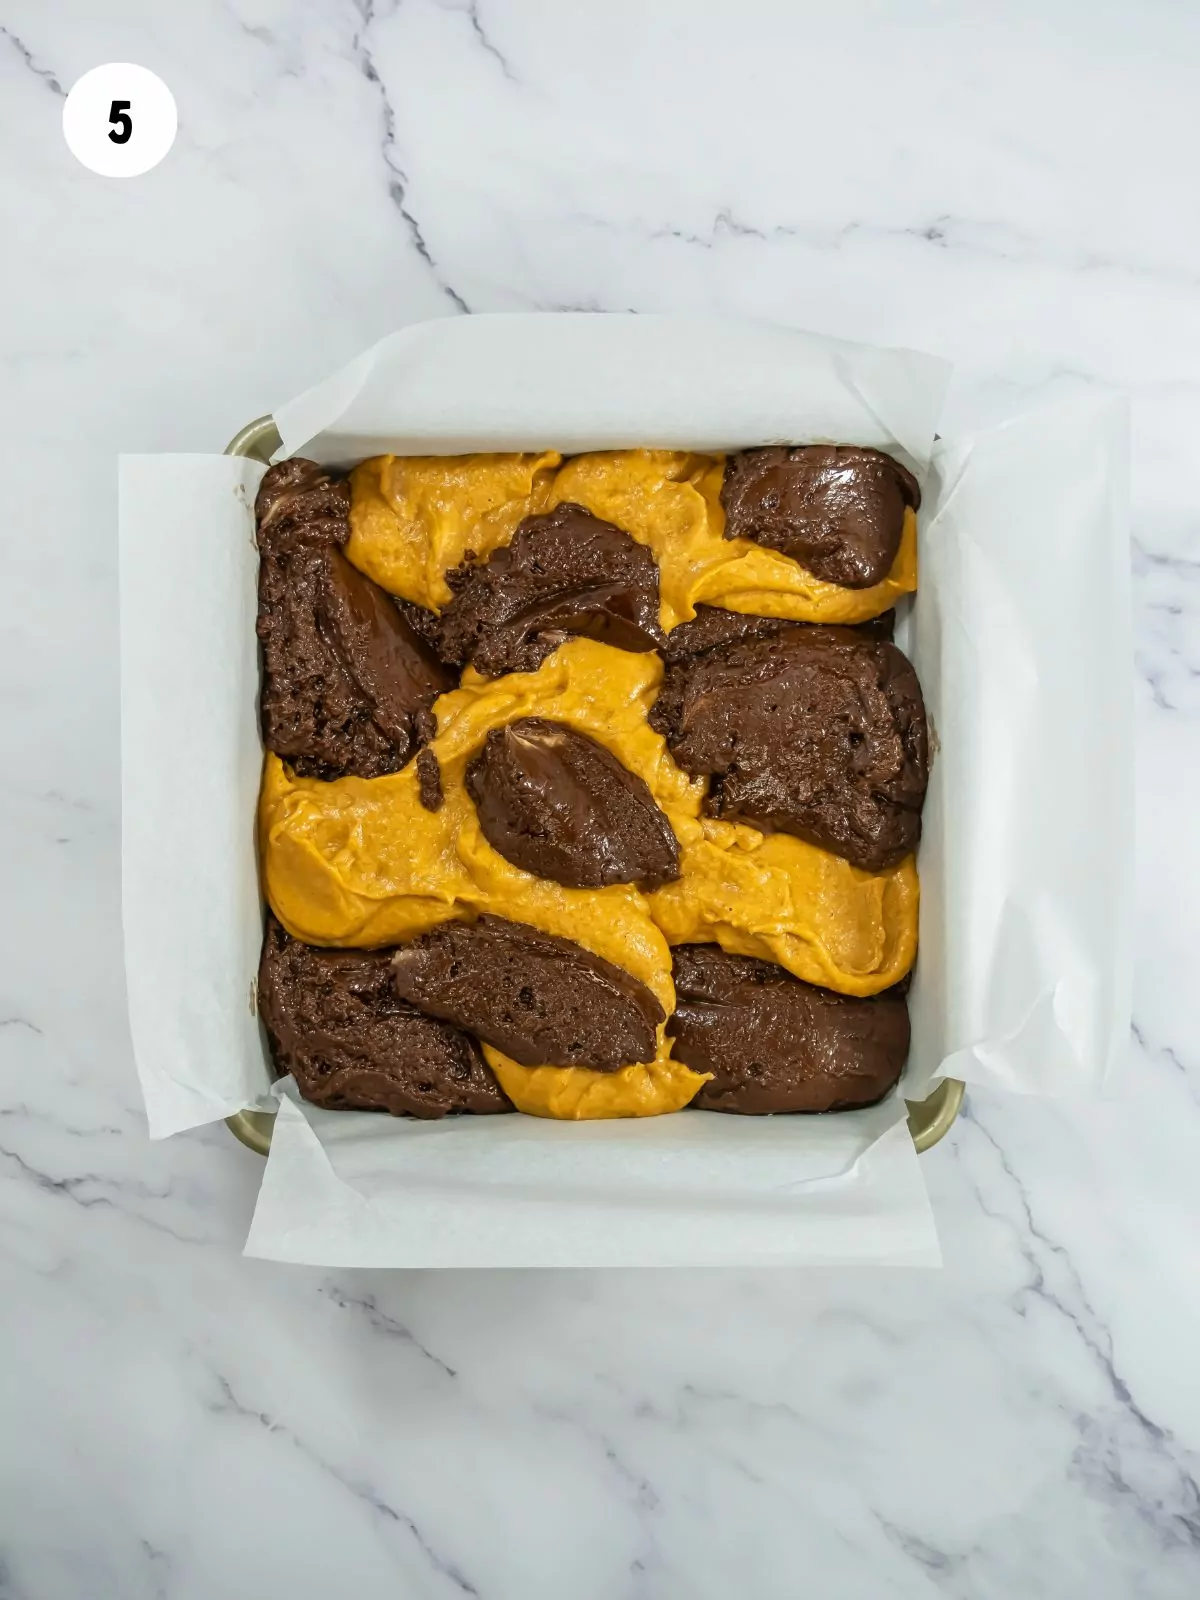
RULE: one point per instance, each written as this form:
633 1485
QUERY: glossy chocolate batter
774 1043
558 804
815 731
336 1023
429 781
347 683
540 999
566 572
713 626
836 509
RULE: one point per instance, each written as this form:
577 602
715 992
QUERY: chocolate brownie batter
429 781
816 732
566 572
427 626
336 1023
836 509
558 804
347 682
540 999
713 626
774 1043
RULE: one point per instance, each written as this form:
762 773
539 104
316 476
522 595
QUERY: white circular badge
120 120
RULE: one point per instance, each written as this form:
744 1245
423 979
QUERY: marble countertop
1012 187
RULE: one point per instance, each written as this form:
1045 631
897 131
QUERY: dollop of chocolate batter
815 731
429 781
542 1000
565 573
347 682
713 626
336 1023
558 804
299 504
774 1043
836 509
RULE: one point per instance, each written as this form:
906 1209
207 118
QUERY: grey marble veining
1008 186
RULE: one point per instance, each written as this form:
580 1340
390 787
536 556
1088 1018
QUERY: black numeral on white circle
122 123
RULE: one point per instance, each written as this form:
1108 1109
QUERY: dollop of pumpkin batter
573 1094
361 862
787 901
413 518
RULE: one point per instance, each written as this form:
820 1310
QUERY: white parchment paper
581 381
1022 638
694 1190
1019 632
191 764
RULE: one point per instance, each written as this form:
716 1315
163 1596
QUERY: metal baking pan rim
928 1120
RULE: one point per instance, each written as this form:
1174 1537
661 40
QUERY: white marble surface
1012 186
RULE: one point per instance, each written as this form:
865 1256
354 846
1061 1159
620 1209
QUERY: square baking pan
928 1120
